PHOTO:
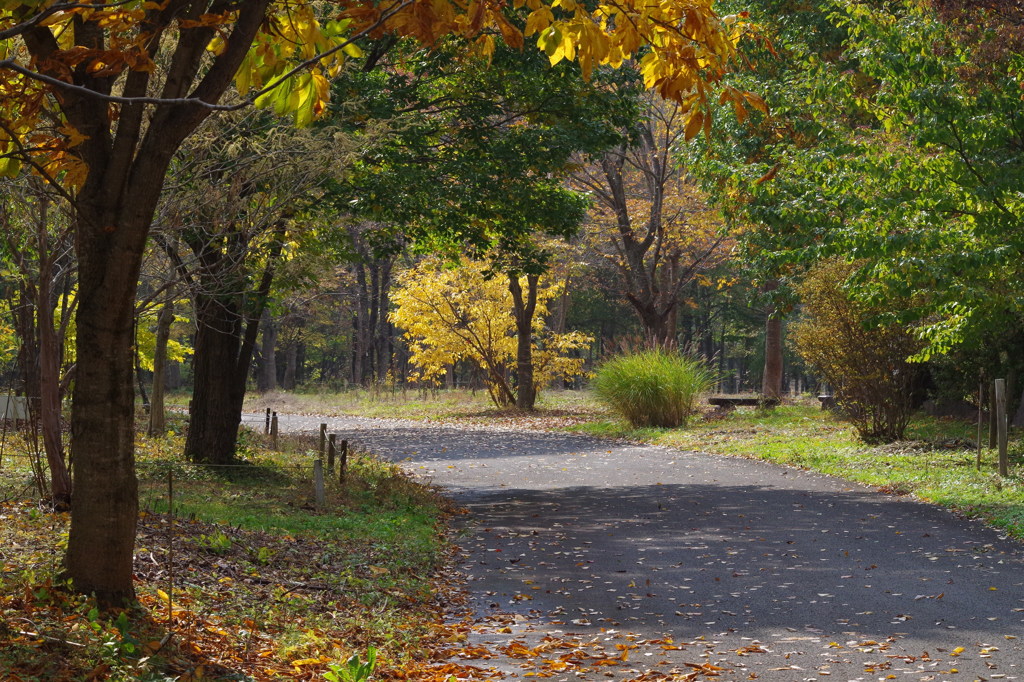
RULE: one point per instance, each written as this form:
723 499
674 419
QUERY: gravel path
588 559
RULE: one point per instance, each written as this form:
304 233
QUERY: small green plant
264 555
217 543
354 669
652 387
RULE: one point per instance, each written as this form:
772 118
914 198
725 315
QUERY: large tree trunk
524 309
157 422
217 393
225 338
127 158
105 507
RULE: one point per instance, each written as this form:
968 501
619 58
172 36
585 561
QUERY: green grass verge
265 584
455 404
936 463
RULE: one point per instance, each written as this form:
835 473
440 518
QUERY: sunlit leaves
301 45
451 314
294 35
689 47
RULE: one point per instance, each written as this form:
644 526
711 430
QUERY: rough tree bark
648 243
226 333
127 161
523 310
266 378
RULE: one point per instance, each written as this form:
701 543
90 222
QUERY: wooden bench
731 402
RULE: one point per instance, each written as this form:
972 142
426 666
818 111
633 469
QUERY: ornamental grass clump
653 387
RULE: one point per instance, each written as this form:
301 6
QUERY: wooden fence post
1004 464
992 438
344 460
266 426
981 395
273 430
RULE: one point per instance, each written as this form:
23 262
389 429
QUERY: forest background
545 210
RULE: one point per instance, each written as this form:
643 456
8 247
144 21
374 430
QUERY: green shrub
865 362
652 387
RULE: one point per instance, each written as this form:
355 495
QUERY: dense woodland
831 197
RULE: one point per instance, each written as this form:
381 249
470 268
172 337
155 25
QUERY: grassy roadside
246 580
554 408
936 462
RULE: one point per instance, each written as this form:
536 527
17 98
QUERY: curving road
587 559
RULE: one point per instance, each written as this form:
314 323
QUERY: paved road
587 559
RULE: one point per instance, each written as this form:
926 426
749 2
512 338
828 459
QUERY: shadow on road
750 558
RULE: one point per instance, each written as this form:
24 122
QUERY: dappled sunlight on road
588 559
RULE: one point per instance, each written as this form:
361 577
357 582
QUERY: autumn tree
476 165
126 83
36 242
866 362
244 188
657 225
466 313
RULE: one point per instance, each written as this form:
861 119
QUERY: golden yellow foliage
301 44
458 313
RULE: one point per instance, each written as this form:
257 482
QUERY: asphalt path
591 559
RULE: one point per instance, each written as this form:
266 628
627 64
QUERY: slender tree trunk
382 331
157 422
290 366
49 396
771 384
28 353
356 372
1018 416
362 366
524 309
267 378
138 369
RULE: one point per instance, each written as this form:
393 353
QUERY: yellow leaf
538 20
693 126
